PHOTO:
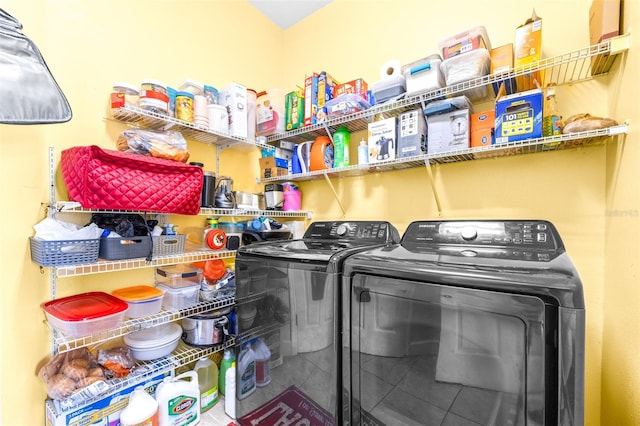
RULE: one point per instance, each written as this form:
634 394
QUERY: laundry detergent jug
321 154
179 400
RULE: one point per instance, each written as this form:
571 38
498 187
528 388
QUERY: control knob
342 230
468 233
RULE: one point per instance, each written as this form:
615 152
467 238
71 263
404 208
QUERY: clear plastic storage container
85 314
177 276
143 300
176 298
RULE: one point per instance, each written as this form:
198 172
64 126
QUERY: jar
124 94
218 118
211 93
184 106
154 97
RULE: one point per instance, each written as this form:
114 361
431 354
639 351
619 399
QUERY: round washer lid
85 306
137 293
153 337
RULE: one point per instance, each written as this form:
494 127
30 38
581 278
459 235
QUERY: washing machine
288 297
465 322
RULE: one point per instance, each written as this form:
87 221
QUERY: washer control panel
378 231
532 234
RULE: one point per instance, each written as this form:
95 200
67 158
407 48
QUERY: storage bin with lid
85 314
154 342
179 297
124 94
143 300
177 276
464 42
467 66
423 75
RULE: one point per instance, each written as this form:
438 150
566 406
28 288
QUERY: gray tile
389 369
372 390
294 371
402 409
424 386
476 404
326 358
455 420
258 398
321 389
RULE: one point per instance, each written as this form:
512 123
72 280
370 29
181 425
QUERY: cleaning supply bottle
322 153
246 371
263 355
551 116
179 400
225 364
363 152
208 382
230 400
341 139
142 409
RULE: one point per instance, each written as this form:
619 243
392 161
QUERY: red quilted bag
114 180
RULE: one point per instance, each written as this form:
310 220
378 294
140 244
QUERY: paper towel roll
390 68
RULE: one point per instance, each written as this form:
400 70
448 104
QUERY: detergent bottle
321 154
263 355
142 410
208 382
246 371
179 400
230 400
341 140
225 364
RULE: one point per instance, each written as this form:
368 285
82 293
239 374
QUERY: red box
482 125
358 87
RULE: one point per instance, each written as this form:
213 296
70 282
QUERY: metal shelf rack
567 68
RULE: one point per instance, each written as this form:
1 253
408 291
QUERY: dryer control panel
532 234
369 231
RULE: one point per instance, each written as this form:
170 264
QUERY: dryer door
424 354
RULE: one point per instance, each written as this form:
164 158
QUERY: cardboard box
382 140
604 23
519 116
279 153
448 131
357 87
326 88
270 162
310 99
273 172
482 126
528 49
412 133
234 98
294 109
105 411
502 62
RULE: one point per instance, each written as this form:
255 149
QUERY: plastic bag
118 360
75 375
586 122
51 229
168 144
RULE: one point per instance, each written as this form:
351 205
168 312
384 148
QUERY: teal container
341 140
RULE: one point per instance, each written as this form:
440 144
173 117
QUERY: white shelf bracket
335 194
433 185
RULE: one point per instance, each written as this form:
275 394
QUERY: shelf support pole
335 194
433 185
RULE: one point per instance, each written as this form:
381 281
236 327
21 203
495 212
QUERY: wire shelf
65 344
102 266
552 143
579 65
181 356
75 207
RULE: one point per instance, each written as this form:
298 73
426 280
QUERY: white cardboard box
234 98
382 140
103 412
448 131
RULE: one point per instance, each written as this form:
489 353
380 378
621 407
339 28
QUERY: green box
294 109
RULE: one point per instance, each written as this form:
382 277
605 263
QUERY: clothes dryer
288 295
465 322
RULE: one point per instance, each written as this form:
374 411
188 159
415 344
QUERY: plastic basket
125 248
164 245
63 252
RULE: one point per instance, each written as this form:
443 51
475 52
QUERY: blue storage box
519 116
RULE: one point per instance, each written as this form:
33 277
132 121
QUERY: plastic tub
154 342
179 298
85 314
177 276
347 103
423 75
154 96
468 66
464 42
143 300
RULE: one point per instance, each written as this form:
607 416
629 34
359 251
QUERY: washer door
427 354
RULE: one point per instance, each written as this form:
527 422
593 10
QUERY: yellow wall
90 45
